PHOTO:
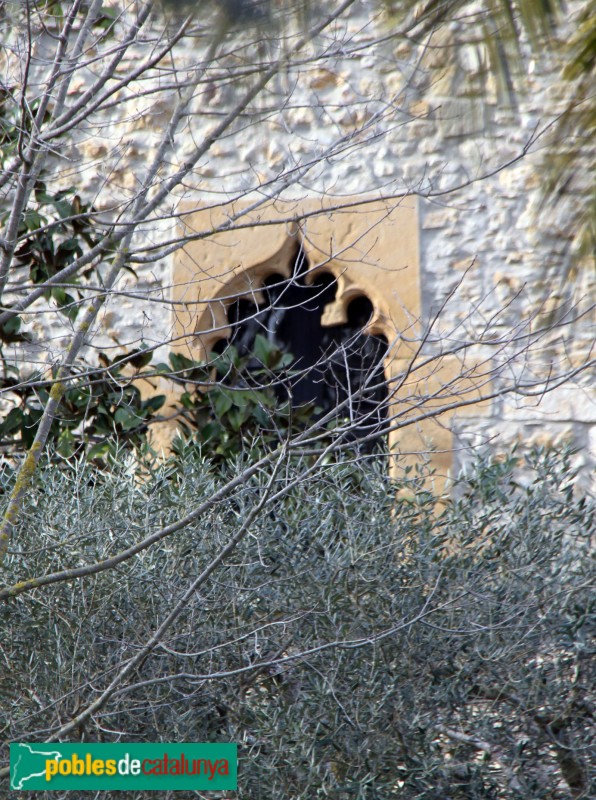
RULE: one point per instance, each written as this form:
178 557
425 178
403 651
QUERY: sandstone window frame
372 249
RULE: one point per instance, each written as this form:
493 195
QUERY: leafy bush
54 230
353 646
237 403
101 409
229 406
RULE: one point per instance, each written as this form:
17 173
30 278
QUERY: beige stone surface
370 248
426 394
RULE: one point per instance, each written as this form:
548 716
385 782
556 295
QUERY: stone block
439 218
323 79
564 404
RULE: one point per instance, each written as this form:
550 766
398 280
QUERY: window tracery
337 366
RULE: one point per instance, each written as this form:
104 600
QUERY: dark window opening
333 367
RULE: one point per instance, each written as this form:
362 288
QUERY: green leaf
162 368
41 194
70 246
106 18
180 362
263 349
66 303
9 331
261 416
212 430
237 417
13 421
140 357
187 400
99 450
66 445
33 219
227 360
126 418
63 208
222 402
153 404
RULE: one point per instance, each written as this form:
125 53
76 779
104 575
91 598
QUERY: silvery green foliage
353 646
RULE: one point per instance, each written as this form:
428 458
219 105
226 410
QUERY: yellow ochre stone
371 249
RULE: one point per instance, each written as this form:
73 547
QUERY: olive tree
352 647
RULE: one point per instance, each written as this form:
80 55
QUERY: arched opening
338 367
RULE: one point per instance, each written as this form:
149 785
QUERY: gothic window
359 270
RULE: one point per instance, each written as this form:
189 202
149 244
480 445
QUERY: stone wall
365 114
